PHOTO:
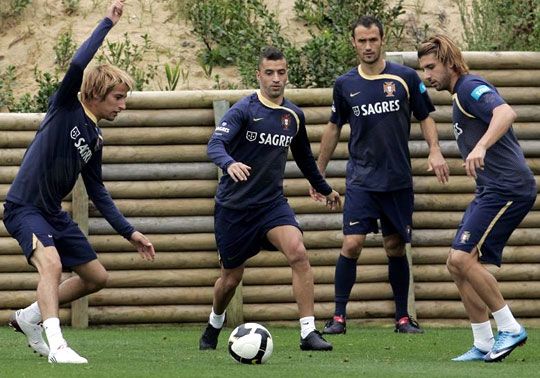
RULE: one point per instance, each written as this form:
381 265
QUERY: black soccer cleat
408 325
335 326
315 341
209 338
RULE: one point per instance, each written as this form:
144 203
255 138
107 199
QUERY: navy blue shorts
362 209
488 223
27 224
241 234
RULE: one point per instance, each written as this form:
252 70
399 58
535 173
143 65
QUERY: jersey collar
89 114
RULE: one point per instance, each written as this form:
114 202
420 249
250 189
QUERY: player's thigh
287 238
31 228
92 272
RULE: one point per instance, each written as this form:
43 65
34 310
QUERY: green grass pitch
172 351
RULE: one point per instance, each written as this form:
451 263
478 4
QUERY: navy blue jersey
258 133
378 109
68 142
505 170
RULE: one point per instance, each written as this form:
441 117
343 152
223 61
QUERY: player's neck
90 110
374 68
275 100
453 80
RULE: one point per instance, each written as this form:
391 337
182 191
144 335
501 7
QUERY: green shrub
233 32
501 24
130 57
64 49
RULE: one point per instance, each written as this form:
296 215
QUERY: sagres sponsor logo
81 145
75 133
223 127
356 110
389 87
251 135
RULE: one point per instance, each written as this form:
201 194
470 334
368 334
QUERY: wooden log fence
157 171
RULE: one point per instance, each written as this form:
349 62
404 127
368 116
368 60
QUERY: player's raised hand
143 245
475 160
437 164
333 201
115 10
238 171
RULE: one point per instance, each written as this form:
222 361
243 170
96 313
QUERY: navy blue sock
398 275
344 280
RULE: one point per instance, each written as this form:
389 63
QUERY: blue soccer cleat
504 345
473 354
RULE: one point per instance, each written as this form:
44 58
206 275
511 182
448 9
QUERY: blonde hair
100 80
446 52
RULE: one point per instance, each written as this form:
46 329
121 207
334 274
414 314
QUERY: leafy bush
501 24
37 103
64 49
130 57
234 32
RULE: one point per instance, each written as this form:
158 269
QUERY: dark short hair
367 21
270 53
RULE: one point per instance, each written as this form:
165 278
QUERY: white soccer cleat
66 355
33 333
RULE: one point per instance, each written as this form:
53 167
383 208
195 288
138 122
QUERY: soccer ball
251 343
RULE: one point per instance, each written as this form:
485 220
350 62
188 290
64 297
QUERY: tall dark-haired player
505 192
67 143
250 145
377 99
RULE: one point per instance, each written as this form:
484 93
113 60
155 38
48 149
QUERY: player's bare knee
297 256
351 249
457 262
394 246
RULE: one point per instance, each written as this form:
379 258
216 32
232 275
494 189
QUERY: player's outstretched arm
143 245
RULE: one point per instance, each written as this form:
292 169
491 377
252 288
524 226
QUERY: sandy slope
28 41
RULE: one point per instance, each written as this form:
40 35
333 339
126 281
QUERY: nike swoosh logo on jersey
353 223
354 94
257 119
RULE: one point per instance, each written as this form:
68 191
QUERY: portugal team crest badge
285 121
251 135
389 88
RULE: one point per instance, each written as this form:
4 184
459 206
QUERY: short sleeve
479 98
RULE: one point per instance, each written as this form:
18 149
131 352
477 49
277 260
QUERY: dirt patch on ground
27 41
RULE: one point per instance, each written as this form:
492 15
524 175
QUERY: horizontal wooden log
308 222
484 59
312 239
11 263
301 97
200 135
148 314
197 153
